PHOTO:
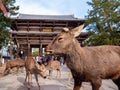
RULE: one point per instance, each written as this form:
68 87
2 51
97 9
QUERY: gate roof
41 29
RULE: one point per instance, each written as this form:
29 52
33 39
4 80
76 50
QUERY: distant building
37 31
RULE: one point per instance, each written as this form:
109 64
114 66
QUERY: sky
78 8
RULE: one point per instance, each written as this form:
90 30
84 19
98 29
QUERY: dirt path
15 82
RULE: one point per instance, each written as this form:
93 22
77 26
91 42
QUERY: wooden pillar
11 46
40 49
29 51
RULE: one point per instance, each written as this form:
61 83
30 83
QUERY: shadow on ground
44 87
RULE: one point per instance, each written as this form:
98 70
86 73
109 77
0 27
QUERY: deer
89 63
32 67
16 63
53 65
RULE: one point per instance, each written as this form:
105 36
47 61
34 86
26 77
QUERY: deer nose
45 77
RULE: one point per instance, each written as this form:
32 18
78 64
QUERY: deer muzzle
49 51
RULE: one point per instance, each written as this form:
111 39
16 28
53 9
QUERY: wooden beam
34 41
33 32
42 37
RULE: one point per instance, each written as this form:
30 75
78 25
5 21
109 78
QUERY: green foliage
5 22
14 49
103 22
35 52
12 9
4 33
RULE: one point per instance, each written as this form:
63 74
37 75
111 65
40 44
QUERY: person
21 54
48 58
60 59
39 60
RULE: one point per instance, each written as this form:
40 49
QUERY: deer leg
29 78
36 77
26 78
50 74
77 83
4 73
22 69
96 83
117 82
10 71
57 74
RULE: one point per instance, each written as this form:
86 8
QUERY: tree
6 22
14 50
103 22
12 9
35 52
4 33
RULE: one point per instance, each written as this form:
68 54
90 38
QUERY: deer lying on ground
17 63
53 65
91 64
32 67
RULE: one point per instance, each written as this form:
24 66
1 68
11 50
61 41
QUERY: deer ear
66 29
76 31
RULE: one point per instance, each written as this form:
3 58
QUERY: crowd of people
45 59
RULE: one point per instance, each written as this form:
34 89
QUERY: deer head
64 41
42 70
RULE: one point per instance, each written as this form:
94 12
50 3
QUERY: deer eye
60 39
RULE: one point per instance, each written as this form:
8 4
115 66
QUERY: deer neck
75 57
47 67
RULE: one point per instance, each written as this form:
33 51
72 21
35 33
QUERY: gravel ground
15 82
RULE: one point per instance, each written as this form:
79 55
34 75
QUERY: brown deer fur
53 65
32 67
17 63
90 64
